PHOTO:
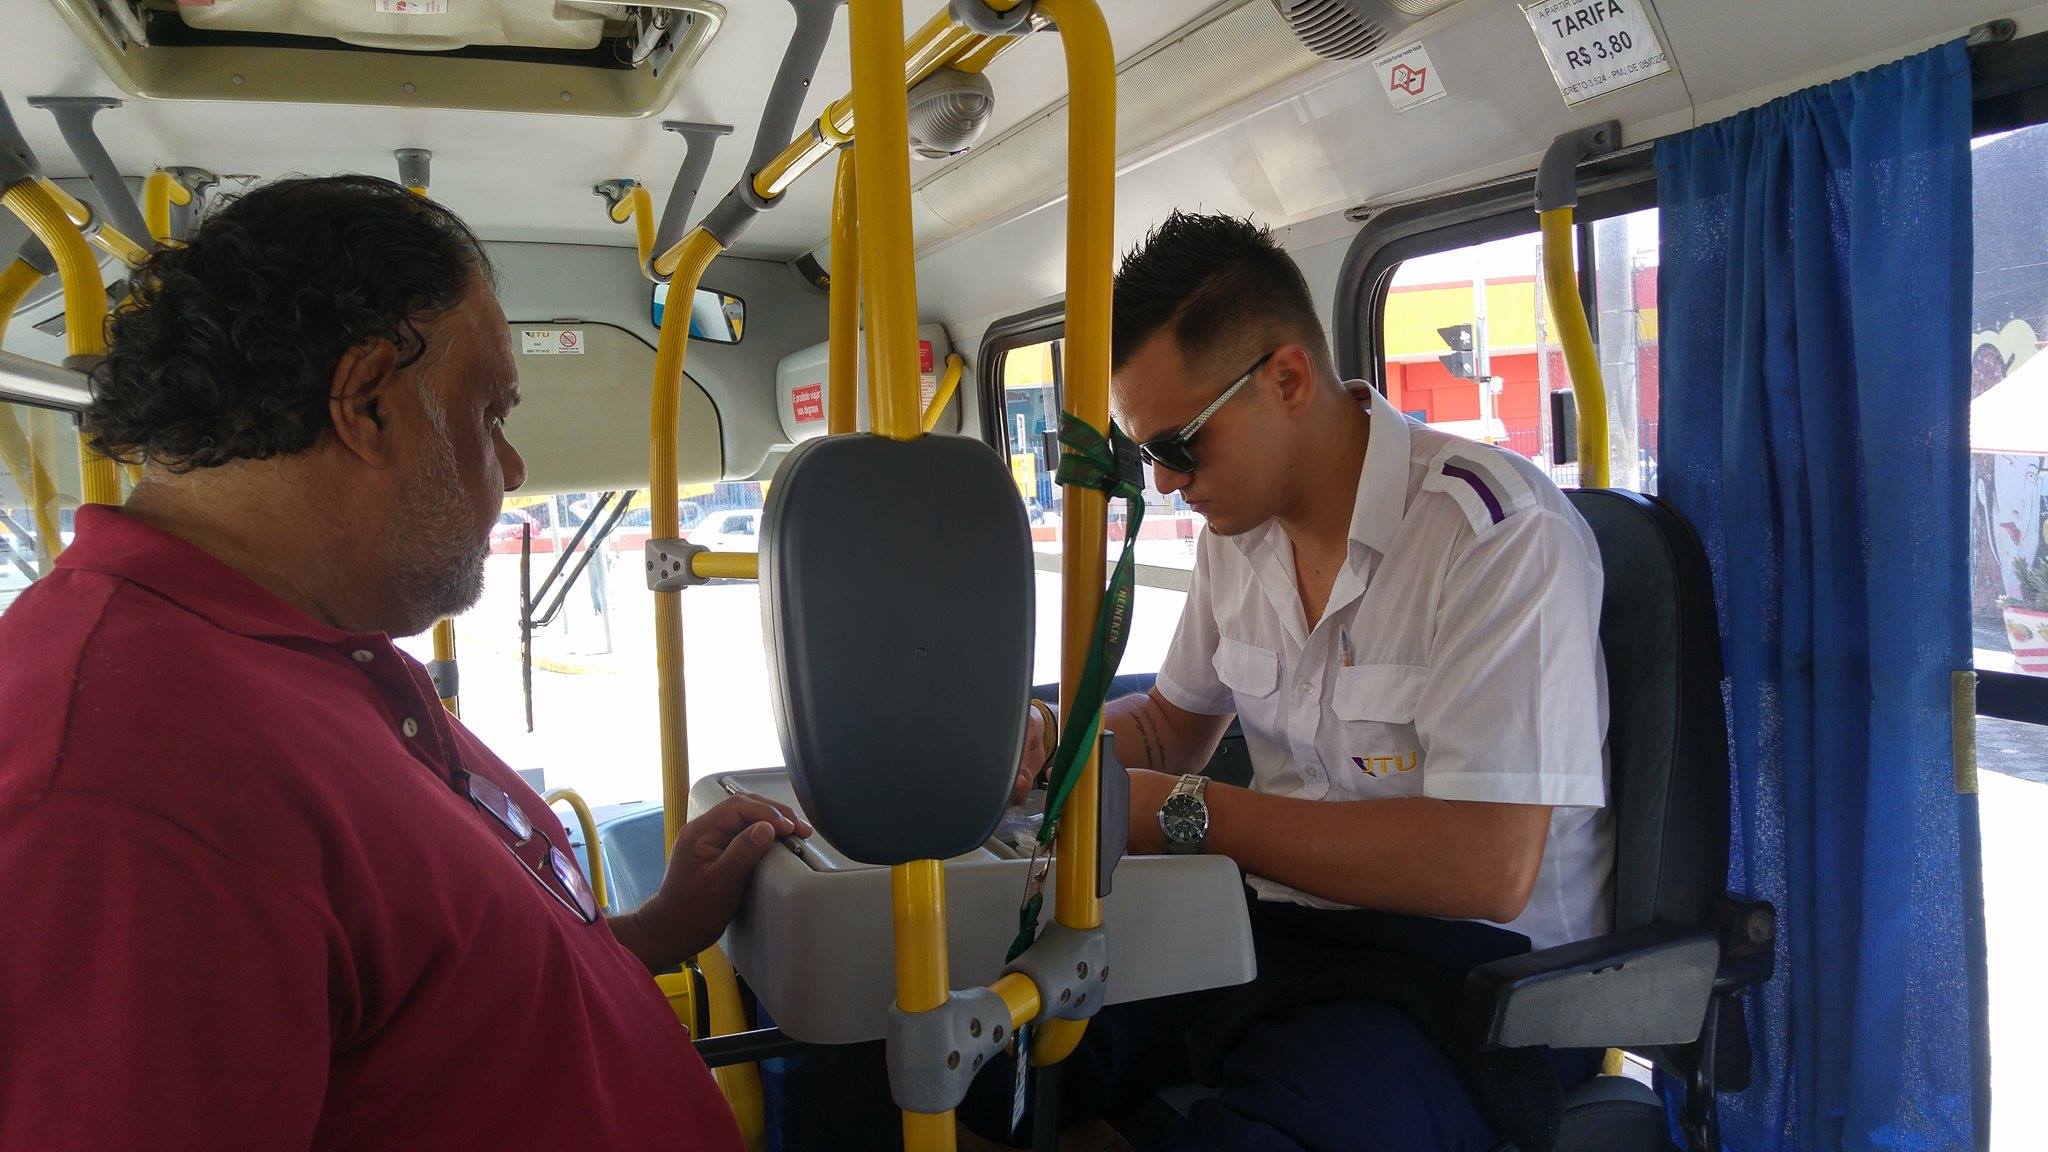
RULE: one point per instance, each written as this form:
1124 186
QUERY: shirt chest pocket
1252 674
1373 717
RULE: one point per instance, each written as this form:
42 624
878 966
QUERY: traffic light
1458 362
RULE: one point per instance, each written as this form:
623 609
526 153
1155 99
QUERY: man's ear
360 401
1294 378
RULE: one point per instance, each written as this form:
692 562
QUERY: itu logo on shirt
1378 766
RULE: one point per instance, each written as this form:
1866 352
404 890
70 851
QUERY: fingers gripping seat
897 588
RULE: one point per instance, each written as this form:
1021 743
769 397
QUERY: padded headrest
897 586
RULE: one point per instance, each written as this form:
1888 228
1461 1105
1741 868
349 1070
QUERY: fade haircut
1215 283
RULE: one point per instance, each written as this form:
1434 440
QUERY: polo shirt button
363 655
411 727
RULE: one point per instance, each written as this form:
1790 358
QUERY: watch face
1184 819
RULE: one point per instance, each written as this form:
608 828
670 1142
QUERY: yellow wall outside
1414 315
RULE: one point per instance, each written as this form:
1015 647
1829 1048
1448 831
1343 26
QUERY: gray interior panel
818 946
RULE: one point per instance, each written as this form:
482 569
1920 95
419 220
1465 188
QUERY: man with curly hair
263 892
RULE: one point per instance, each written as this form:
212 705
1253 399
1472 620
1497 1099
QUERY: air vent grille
1334 29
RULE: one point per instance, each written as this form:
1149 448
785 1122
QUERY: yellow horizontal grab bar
103 235
574 800
726 565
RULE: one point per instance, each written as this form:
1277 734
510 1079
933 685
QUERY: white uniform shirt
1470 602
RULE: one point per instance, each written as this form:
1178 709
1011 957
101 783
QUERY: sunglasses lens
1170 453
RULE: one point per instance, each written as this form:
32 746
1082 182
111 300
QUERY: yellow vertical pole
17 451
882 171
923 976
1589 392
159 192
1091 257
38 204
842 337
444 653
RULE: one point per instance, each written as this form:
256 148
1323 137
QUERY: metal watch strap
1196 786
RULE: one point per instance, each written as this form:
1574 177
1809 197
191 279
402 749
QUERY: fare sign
1597 46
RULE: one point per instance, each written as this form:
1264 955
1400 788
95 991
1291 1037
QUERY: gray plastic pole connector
933 1056
35 255
447 680
698 141
415 167
668 565
17 160
730 217
74 116
1557 180
1070 966
614 191
979 17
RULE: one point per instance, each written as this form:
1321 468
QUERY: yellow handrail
949 383
574 800
17 450
1589 392
444 653
882 170
102 234
726 565
1091 257
727 1014
159 192
842 317
638 208
41 206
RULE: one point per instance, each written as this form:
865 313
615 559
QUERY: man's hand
1031 761
707 872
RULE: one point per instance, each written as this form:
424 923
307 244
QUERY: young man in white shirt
1406 624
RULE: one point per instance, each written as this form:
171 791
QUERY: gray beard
437 560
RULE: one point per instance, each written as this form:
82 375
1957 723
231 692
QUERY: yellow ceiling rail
842 330
98 231
159 193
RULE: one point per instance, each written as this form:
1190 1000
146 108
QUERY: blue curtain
1814 305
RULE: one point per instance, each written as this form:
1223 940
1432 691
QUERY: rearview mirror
715 317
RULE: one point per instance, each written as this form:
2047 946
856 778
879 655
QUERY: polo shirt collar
117 544
1382 499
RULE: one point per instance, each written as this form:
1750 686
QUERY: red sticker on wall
807 402
924 355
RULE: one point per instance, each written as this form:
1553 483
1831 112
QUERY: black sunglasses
569 888
1177 451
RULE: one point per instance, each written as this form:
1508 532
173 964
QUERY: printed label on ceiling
551 341
1597 46
414 7
1408 78
807 403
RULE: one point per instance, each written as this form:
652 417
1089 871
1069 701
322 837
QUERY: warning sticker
1408 78
807 403
1597 46
414 7
551 341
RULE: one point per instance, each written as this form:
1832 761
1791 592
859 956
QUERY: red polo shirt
242 907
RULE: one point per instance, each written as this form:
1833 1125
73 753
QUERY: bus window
593 664
1471 346
1031 376
38 463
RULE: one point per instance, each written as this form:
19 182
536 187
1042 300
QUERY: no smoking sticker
1408 78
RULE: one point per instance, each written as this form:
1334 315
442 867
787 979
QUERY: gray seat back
897 586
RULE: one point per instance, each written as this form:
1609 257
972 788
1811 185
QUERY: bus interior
1484 199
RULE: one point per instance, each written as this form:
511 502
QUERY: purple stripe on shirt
1486 495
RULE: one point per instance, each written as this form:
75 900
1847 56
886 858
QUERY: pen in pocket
1344 645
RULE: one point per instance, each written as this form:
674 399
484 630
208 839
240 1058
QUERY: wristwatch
1185 816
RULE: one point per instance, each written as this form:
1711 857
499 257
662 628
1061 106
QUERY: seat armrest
1634 989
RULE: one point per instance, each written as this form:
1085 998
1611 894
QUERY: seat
1666 984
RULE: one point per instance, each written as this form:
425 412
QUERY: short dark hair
1213 281
226 347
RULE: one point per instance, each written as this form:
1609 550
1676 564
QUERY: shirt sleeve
156 994
1514 708
1187 677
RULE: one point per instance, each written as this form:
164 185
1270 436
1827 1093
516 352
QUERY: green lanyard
1111 466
